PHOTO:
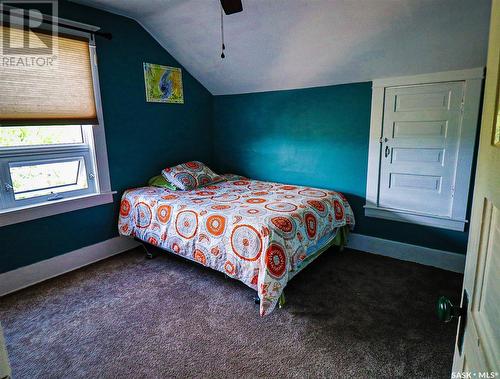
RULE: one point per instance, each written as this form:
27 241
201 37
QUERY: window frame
473 83
95 149
41 154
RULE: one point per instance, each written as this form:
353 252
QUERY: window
45 163
52 148
422 138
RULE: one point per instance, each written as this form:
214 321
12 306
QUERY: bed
260 233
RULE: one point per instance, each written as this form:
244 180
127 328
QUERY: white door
477 351
420 141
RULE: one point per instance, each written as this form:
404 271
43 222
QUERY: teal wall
142 138
315 137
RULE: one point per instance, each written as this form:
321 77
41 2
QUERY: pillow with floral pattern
190 175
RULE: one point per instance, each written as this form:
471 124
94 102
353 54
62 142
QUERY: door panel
406 154
488 292
429 98
485 307
422 182
421 136
419 129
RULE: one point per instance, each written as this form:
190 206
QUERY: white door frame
473 81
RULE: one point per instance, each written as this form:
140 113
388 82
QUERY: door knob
447 311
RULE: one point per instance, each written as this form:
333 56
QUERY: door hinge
452 191
462 105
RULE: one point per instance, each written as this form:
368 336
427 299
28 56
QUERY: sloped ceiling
284 44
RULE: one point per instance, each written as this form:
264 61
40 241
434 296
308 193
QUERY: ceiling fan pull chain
222 33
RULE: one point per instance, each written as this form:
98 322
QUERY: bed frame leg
149 252
281 300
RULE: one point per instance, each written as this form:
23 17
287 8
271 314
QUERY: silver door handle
387 151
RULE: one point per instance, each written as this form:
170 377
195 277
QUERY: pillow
160 181
234 177
190 175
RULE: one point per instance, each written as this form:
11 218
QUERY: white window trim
104 194
473 82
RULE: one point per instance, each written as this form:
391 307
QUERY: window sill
415 218
17 215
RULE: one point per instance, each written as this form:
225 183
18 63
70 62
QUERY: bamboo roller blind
35 92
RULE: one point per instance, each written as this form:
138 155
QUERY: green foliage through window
40 135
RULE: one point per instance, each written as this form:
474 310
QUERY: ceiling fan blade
231 6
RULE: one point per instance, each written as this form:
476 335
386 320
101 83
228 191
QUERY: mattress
254 231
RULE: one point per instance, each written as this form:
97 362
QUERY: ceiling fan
229 7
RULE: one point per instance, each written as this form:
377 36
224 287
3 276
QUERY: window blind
37 90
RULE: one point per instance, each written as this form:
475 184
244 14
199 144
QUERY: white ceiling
283 44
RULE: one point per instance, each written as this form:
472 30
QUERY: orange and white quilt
254 231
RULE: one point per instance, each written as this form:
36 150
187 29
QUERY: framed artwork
163 84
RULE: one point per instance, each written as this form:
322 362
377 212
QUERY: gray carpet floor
349 314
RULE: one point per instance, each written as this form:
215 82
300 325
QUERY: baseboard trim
445 260
26 276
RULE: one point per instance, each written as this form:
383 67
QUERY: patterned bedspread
254 231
